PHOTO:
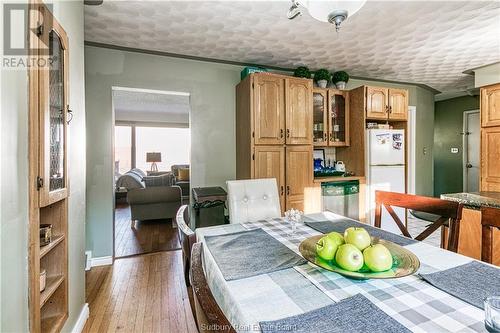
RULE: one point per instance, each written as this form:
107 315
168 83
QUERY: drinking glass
492 314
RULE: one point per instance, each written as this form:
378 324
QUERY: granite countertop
475 200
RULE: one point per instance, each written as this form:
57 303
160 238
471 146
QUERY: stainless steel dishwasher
341 197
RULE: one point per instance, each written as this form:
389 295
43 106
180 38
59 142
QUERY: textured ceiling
427 42
139 105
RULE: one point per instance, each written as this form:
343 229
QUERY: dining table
411 301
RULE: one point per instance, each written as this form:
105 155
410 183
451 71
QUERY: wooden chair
449 212
209 316
186 239
490 219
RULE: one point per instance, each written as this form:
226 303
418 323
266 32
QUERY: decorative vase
322 83
340 85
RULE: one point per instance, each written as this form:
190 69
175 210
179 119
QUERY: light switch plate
454 150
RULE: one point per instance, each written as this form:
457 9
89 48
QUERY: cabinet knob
325 136
390 109
287 132
282 189
287 190
281 133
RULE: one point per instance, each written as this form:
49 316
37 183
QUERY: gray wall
14 184
212 123
212 88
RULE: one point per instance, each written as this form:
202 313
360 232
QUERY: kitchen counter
338 179
475 200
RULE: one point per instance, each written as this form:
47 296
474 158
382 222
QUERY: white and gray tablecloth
411 301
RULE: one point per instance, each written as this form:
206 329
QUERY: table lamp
153 158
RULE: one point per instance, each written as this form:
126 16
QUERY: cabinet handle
325 136
331 136
287 190
287 132
390 109
282 190
387 109
281 133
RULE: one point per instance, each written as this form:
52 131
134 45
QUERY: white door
471 151
386 147
386 178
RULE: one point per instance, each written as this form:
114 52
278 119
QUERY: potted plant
322 76
340 79
302 71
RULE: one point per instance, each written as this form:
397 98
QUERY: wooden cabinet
398 104
274 136
377 103
299 115
330 118
490 106
270 163
269 109
490 154
299 175
386 104
48 176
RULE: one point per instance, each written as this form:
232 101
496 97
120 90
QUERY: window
172 143
123 149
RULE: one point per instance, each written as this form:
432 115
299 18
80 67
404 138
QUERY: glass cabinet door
320 118
338 122
53 83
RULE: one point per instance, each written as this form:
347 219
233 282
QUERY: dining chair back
209 316
449 214
186 239
253 200
490 220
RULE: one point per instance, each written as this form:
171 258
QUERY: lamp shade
153 157
322 10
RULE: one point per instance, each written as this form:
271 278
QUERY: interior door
377 103
299 115
299 175
398 104
269 109
53 107
270 163
490 150
472 130
490 106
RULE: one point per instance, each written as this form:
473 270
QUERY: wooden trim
490 219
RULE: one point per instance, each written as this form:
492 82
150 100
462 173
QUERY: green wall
14 312
448 126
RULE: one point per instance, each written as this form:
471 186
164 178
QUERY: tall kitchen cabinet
490 138
274 133
48 174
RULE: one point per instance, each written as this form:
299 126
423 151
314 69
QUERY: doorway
471 157
151 147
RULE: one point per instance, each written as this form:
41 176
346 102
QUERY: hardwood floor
145 237
139 294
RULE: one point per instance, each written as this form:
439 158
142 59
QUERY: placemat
472 282
339 225
353 314
248 253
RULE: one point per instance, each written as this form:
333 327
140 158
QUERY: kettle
340 166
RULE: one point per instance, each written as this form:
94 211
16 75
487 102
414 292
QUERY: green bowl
404 261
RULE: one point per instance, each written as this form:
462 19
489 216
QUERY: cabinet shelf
47 248
52 284
53 323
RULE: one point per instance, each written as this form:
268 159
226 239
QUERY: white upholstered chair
252 200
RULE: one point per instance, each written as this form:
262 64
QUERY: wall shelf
52 284
46 249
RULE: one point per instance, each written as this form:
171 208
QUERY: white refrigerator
385 162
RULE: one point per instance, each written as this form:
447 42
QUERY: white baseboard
82 319
102 261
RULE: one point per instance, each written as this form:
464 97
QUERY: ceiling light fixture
334 12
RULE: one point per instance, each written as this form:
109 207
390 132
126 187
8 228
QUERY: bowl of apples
357 255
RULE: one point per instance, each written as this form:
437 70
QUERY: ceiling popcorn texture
426 42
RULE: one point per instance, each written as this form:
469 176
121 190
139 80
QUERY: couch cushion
183 174
162 180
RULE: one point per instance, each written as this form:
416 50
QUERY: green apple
326 248
377 257
349 257
358 237
338 238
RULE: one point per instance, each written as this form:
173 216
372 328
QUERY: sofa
180 181
150 197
